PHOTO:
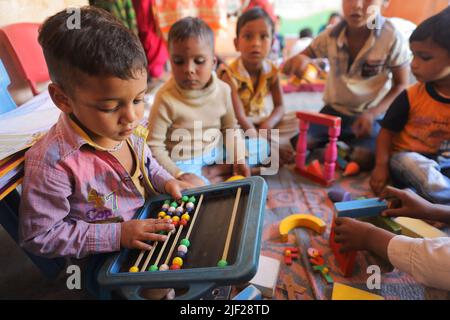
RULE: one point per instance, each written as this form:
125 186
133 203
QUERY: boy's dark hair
334 15
101 46
254 14
306 33
436 28
190 27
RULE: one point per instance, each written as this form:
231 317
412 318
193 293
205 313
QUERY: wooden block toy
249 293
315 257
385 223
324 272
315 169
416 228
343 292
325 177
345 261
292 288
360 208
289 254
205 250
234 178
352 169
266 277
300 220
339 195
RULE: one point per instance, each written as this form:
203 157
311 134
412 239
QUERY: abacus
216 241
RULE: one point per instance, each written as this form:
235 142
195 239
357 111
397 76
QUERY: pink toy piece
334 124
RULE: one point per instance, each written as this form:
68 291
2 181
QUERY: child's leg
421 173
287 129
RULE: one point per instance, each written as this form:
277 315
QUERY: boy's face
431 62
109 108
254 41
192 62
357 12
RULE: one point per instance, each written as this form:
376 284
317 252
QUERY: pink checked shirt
75 193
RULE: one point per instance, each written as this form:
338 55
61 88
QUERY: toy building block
416 228
341 162
289 254
300 220
266 277
292 288
360 208
352 169
324 272
384 223
315 257
345 261
339 195
249 293
343 292
326 178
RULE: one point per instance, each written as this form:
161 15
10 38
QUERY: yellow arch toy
301 220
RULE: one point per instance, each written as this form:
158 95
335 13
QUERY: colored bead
185 217
189 210
177 261
134 269
175 223
177 214
167 217
163 267
183 222
181 254
175 267
179 211
167 202
189 205
162 232
175 218
171 209
174 204
185 242
165 207
185 199
153 267
192 199
161 214
222 263
182 248
287 252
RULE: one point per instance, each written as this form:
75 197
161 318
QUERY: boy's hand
135 232
412 205
192 179
296 65
174 187
241 169
362 127
379 178
351 234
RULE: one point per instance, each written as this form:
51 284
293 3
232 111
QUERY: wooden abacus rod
162 249
138 260
195 216
150 254
231 225
180 229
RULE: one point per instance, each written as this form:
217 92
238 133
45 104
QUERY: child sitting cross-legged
192 119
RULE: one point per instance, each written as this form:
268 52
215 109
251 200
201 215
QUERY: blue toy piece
249 293
360 208
339 195
6 102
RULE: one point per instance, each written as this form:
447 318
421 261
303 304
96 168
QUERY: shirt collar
241 73
338 32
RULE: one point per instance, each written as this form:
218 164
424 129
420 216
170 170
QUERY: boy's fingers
141 245
154 237
150 221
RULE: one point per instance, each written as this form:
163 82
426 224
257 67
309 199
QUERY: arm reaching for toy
414 206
